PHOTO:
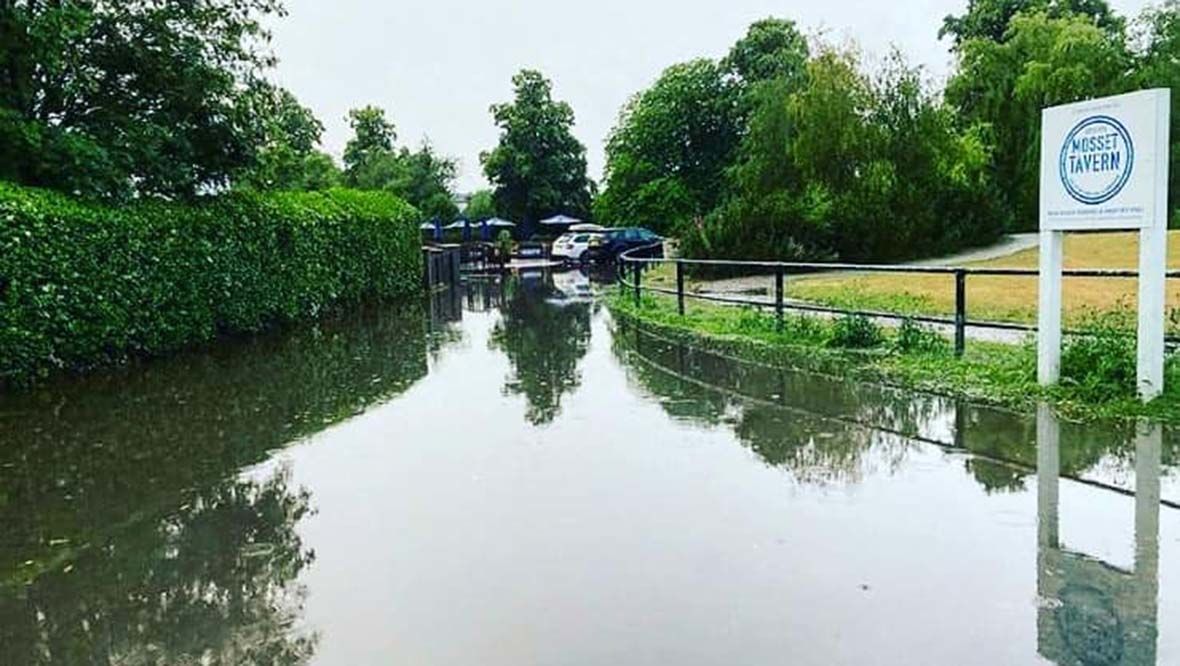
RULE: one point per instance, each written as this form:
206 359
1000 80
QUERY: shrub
504 245
752 320
913 338
855 331
84 284
805 328
1101 365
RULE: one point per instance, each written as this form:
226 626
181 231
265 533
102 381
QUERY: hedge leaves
83 284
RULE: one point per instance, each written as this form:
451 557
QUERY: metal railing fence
781 270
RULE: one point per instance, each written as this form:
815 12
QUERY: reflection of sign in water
1097 159
1092 613
1088 624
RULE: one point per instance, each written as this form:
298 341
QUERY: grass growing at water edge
1098 370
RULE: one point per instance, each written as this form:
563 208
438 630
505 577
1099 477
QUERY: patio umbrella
464 224
560 220
492 224
587 227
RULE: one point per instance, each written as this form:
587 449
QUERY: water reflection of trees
998 435
825 429
129 535
805 424
214 581
544 338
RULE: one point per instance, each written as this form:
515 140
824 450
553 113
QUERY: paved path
1008 246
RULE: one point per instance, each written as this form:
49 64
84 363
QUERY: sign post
1104 167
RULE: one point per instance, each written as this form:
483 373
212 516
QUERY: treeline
787 149
127 99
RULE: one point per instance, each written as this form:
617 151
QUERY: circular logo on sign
1096 160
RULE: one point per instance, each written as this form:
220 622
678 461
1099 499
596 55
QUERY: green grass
989 298
1095 382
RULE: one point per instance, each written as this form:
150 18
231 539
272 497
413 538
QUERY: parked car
608 246
573 246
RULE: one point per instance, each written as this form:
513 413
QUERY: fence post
680 287
778 299
638 277
960 311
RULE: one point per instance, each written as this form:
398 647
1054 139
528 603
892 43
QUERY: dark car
609 245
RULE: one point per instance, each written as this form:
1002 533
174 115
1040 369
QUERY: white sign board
1104 165
1100 159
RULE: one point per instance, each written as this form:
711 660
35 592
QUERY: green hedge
84 284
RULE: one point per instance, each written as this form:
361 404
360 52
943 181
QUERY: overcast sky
436 65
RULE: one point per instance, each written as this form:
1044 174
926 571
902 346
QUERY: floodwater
506 476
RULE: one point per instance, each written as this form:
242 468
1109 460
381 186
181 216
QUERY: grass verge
1098 371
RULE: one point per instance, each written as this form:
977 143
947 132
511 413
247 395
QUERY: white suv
572 246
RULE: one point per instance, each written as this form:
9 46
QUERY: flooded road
506 476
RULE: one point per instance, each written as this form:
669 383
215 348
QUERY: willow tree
1043 61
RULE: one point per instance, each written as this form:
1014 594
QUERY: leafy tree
287 157
539 167
371 144
769 210
424 178
481 206
925 185
772 48
804 149
319 172
990 19
666 156
853 168
1158 66
115 98
1003 86
371 162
